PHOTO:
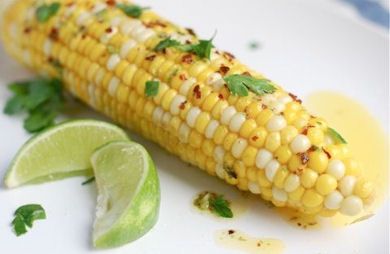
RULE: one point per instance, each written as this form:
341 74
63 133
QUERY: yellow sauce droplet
366 140
238 240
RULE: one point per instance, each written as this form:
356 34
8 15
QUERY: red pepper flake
69 4
187 58
182 77
231 231
27 30
327 153
304 158
111 2
188 42
191 31
109 30
223 70
53 34
295 98
197 92
221 96
313 148
182 105
246 73
155 23
150 58
304 131
255 138
228 56
83 36
263 106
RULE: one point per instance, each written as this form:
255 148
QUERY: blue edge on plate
371 10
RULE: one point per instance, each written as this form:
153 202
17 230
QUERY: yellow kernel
128 74
293 106
175 124
202 121
311 198
266 193
247 128
210 102
197 68
280 177
316 136
352 167
308 178
283 154
297 194
262 179
208 147
278 203
220 134
253 110
328 213
313 210
231 180
344 151
273 141
229 160
218 108
264 116
289 116
229 140
195 139
232 99
326 184
251 174
239 168
242 184
363 189
257 137
210 166
162 89
249 156
242 103
122 93
318 160
167 99
334 151
295 164
200 159
288 134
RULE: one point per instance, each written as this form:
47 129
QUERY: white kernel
126 47
351 206
279 194
285 99
346 185
254 187
47 47
192 115
237 121
186 86
219 154
105 38
336 168
271 168
291 183
277 107
333 200
211 128
300 144
328 140
227 115
220 171
268 99
128 26
184 132
116 21
83 18
238 147
113 86
157 115
276 123
176 103
145 35
99 7
262 158
113 62
213 77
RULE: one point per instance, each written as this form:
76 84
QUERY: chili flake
197 92
187 58
191 31
182 105
223 70
295 98
53 34
304 158
150 58
111 2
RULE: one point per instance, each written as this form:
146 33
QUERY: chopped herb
336 136
89 180
151 88
166 43
132 10
254 45
173 74
42 99
214 203
25 216
240 84
46 11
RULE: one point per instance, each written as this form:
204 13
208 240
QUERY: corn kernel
311 198
253 110
218 109
242 184
195 139
257 137
247 128
220 134
229 140
283 154
264 116
210 102
272 141
316 136
249 156
326 184
363 189
242 103
202 121
251 174
240 169
266 193
295 164
262 179
228 160
334 151
280 177
352 167
288 134
297 194
208 147
318 160
309 178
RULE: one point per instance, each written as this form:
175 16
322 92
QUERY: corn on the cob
267 144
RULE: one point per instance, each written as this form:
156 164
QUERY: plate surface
306 46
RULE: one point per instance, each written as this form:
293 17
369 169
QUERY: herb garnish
166 43
89 180
151 88
132 10
41 98
214 203
25 216
241 84
46 11
336 136
202 49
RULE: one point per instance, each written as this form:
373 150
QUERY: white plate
306 46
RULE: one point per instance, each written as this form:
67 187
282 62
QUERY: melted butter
238 240
366 139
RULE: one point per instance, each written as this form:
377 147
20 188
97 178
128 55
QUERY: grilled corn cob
267 143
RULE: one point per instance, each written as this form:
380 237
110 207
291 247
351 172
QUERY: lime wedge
128 194
61 151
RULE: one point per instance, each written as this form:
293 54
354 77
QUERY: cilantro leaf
166 43
336 136
151 88
25 216
41 99
202 49
132 10
46 11
236 84
220 206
